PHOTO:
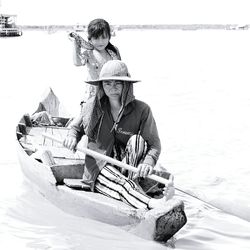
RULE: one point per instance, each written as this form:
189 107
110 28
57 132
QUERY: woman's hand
143 170
70 142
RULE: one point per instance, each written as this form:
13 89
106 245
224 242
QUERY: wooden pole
109 160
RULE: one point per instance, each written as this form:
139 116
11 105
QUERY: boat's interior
65 164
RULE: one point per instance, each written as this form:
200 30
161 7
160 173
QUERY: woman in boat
99 35
120 126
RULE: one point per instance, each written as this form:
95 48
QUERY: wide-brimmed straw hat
113 70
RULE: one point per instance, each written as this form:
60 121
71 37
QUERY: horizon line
82 27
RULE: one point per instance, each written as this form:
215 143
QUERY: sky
68 12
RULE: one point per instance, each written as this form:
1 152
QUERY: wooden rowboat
49 178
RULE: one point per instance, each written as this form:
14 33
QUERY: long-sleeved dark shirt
137 116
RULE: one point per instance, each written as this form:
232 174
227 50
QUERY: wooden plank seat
72 171
63 162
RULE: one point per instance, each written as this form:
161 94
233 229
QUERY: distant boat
8 27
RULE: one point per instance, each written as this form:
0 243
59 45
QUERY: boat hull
77 202
10 32
161 223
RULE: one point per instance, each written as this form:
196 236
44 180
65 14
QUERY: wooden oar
126 166
109 159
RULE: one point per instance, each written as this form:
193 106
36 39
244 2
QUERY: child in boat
99 35
116 125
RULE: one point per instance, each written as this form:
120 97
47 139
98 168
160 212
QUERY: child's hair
98 28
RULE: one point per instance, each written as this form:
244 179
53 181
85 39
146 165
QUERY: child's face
100 43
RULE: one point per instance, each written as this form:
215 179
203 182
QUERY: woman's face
113 88
100 43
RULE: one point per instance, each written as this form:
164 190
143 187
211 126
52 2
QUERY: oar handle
108 159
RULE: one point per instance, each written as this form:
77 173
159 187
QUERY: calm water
197 83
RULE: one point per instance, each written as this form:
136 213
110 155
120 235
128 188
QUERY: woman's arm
150 133
76 128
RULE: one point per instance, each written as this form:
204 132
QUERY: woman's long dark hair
100 27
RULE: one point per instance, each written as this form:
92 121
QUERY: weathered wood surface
35 142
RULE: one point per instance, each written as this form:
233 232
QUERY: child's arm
77 59
79 48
